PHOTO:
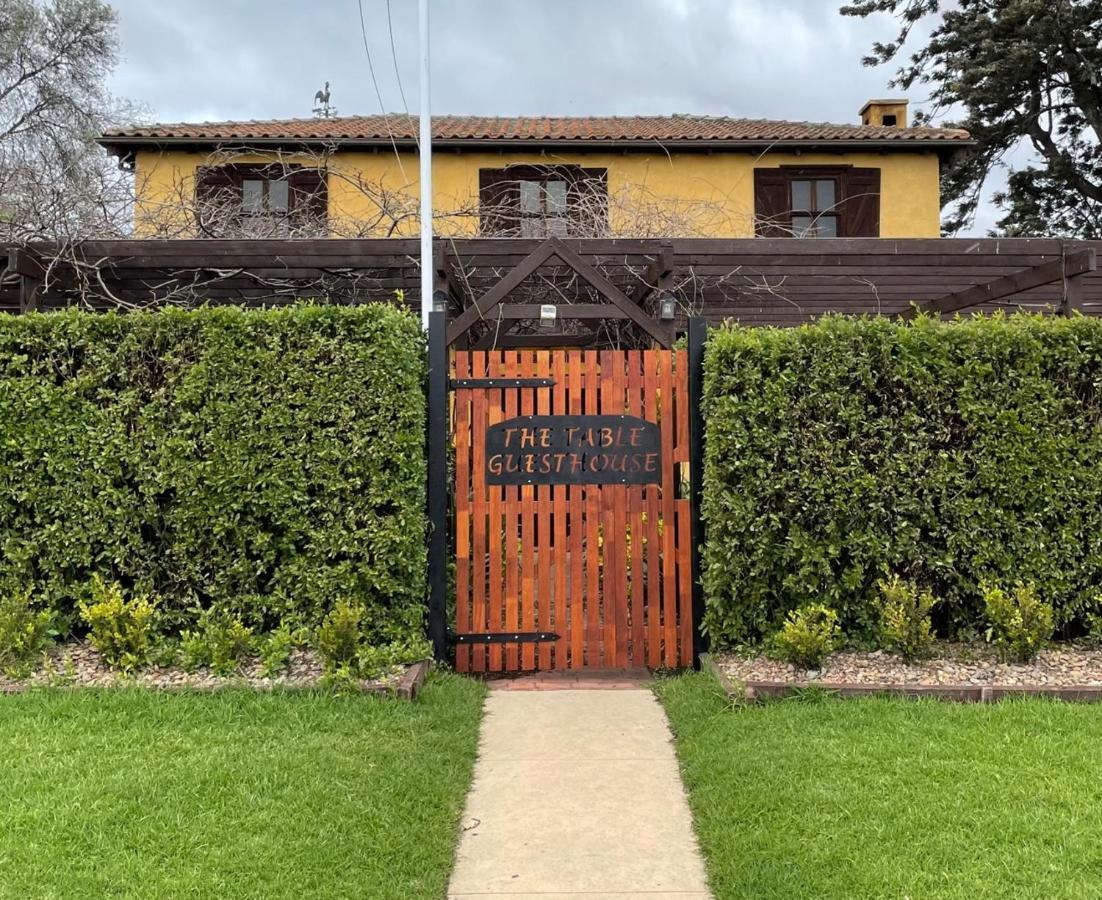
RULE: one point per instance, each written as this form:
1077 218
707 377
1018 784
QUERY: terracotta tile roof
663 129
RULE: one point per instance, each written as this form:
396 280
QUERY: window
542 207
817 202
543 201
265 197
261 201
814 209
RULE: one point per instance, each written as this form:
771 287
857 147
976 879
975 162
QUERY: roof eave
125 144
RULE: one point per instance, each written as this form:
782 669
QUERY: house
639 176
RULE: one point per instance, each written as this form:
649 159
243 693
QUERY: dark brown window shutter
498 195
309 195
861 208
218 199
217 182
772 210
586 201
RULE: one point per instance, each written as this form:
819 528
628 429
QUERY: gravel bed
79 664
957 665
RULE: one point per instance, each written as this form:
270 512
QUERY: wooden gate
573 520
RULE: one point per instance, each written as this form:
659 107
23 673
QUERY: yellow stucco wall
650 194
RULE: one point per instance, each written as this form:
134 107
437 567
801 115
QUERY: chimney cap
901 101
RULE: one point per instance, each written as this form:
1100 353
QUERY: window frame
856 210
814 211
307 195
501 200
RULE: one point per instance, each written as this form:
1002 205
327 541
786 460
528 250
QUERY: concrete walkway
577 795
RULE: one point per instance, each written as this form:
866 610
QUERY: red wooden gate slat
653 492
510 364
544 511
607 591
560 558
592 529
637 654
495 573
607 567
619 562
526 543
577 531
478 515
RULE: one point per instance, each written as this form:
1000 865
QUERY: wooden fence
752 281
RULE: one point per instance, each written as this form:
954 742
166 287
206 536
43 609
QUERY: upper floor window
817 201
543 201
257 201
814 207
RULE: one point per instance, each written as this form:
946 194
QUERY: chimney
886 113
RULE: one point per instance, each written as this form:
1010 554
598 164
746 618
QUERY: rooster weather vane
322 109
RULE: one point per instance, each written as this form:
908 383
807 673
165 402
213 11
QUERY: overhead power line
378 93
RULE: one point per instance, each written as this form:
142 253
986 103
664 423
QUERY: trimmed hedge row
264 462
947 453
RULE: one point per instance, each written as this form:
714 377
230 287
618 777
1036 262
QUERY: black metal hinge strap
454 383
505 637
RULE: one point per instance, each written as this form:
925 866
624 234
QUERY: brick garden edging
961 693
410 684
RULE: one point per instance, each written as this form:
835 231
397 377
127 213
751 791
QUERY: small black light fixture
667 307
549 313
439 301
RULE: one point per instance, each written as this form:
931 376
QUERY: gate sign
573 450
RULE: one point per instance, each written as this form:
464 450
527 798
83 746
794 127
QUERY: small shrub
905 618
165 652
275 651
222 642
25 632
807 636
338 637
120 629
374 661
1020 623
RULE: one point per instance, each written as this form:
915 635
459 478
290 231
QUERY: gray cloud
189 59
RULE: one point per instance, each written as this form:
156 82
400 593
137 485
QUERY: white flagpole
426 167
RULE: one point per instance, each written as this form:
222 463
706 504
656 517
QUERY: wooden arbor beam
613 294
621 305
1072 265
658 275
509 341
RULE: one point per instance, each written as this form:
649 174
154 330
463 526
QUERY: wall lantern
667 307
439 301
548 315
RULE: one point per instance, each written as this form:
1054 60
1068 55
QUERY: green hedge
948 453
266 462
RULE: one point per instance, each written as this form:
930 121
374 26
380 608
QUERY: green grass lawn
892 798
140 794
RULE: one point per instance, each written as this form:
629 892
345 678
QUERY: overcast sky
193 60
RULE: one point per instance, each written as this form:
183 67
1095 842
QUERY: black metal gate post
698 336
437 439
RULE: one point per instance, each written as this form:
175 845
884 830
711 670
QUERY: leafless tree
55 183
